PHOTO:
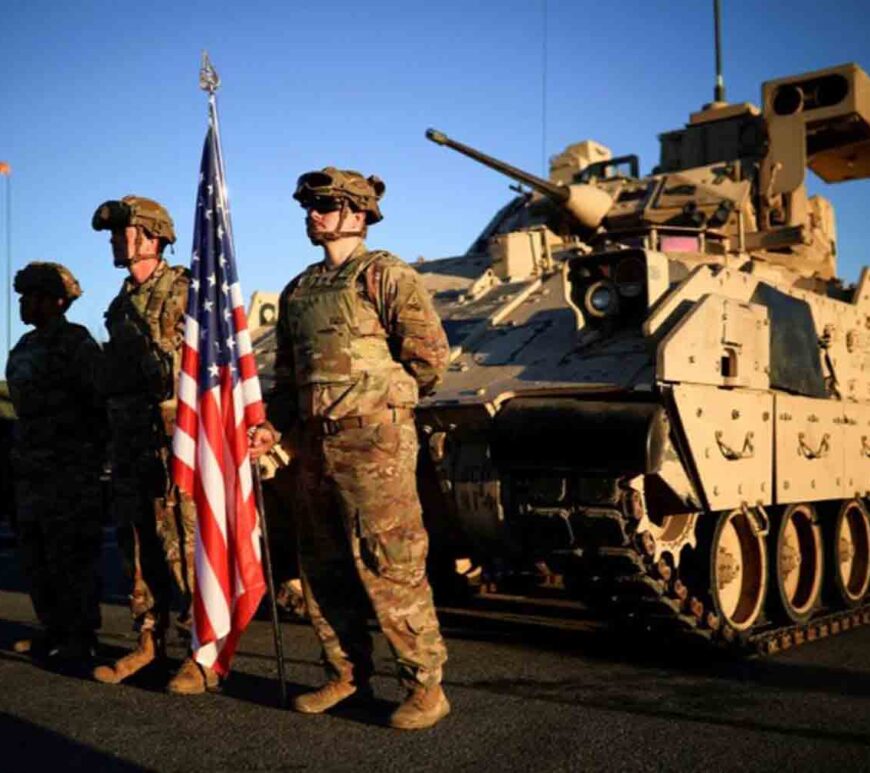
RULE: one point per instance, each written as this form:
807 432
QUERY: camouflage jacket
143 355
51 375
354 340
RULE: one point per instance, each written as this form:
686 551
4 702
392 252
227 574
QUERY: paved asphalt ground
524 698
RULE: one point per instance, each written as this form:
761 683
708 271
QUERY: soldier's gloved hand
262 438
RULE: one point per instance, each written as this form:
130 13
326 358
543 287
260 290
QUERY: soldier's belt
333 426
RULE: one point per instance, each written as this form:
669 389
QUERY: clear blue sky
101 99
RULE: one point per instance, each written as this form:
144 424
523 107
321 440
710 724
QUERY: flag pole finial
208 78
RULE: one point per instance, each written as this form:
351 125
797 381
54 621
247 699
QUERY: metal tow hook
809 453
759 520
728 452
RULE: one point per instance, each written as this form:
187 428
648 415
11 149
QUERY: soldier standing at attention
57 458
156 523
358 341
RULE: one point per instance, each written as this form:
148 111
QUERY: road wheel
738 568
850 552
797 566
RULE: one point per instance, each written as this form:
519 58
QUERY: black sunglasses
323 204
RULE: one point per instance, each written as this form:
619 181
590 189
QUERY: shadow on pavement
637 703
29 747
613 646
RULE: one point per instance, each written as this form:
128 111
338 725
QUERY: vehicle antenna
719 91
544 43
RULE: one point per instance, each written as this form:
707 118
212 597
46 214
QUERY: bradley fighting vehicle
659 394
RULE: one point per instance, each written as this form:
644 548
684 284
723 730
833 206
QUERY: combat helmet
135 210
363 193
51 279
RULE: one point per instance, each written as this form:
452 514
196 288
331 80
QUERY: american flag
218 400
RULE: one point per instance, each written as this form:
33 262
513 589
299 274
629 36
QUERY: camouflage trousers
156 532
362 545
59 539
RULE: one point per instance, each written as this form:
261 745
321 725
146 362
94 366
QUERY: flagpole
270 583
209 82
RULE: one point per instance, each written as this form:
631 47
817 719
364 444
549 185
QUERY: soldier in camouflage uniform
57 459
358 341
156 522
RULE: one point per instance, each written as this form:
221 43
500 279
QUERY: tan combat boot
41 644
193 679
331 694
423 707
150 648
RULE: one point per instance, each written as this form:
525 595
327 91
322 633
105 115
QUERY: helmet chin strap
322 237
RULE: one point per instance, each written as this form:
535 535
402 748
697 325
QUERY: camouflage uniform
57 459
356 345
156 524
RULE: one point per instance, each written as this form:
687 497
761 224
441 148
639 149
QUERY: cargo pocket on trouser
397 554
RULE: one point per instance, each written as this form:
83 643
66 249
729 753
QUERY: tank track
621 575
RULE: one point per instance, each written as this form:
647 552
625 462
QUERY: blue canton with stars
213 267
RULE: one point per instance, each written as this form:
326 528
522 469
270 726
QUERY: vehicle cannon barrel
587 203
558 193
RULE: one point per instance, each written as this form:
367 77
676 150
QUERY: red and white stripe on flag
219 399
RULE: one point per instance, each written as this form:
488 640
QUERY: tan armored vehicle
659 396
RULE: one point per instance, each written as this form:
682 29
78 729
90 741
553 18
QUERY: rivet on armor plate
735 414
699 412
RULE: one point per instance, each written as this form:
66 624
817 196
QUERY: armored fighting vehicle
658 400
659 394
